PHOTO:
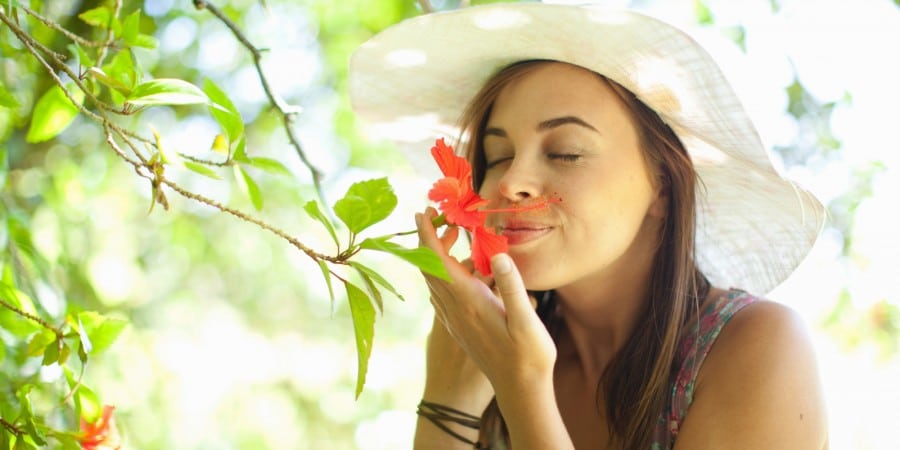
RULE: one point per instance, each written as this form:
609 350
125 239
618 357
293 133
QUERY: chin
534 273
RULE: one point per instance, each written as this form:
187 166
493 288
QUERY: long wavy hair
636 383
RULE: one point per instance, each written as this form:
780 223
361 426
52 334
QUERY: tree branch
55 26
141 165
279 104
32 317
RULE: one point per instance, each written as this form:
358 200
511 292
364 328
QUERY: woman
667 200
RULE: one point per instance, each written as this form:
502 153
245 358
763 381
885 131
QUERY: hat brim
754 226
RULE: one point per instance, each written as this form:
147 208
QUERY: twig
283 109
32 317
293 241
36 48
111 130
12 428
51 24
206 162
110 36
426 6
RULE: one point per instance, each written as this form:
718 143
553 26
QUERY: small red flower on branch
458 201
102 434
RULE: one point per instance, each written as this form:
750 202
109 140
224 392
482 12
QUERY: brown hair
636 383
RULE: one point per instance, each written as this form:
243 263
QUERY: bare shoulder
759 386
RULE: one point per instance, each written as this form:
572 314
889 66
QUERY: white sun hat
753 226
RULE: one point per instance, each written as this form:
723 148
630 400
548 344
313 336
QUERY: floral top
692 353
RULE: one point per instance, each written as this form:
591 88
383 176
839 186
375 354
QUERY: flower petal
450 164
486 244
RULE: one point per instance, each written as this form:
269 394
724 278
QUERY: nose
520 181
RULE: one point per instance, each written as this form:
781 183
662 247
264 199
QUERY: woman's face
561 131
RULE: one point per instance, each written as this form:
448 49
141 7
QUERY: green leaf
12 321
703 13
248 186
27 414
146 41
97 17
202 170
52 113
365 204
102 331
123 69
227 115
312 208
372 289
376 277
108 81
363 315
240 151
325 273
270 165
51 353
167 154
38 343
6 98
84 60
166 91
88 403
131 28
422 257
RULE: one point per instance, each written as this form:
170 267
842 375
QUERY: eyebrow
548 124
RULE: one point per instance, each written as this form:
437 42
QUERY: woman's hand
497 328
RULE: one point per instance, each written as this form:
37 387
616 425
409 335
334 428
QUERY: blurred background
233 342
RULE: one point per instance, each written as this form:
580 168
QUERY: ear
660 206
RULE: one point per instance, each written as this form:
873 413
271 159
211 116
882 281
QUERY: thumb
512 291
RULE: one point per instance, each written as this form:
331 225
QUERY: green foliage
166 92
365 204
364 328
53 113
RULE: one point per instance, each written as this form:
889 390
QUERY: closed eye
568 157
491 164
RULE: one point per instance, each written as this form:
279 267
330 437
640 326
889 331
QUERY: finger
428 238
511 288
451 233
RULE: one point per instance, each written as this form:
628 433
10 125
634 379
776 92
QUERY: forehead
553 89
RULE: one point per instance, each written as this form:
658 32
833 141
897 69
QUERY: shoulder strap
693 350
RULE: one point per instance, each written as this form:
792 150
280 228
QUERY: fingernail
418 219
501 263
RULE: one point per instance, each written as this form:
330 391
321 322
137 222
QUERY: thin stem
55 26
286 114
32 317
110 36
426 6
12 428
206 161
293 241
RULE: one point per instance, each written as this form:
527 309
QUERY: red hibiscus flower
453 193
460 204
486 244
102 434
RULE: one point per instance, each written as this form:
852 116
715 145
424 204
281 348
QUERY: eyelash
567 157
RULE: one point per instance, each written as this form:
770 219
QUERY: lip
519 232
